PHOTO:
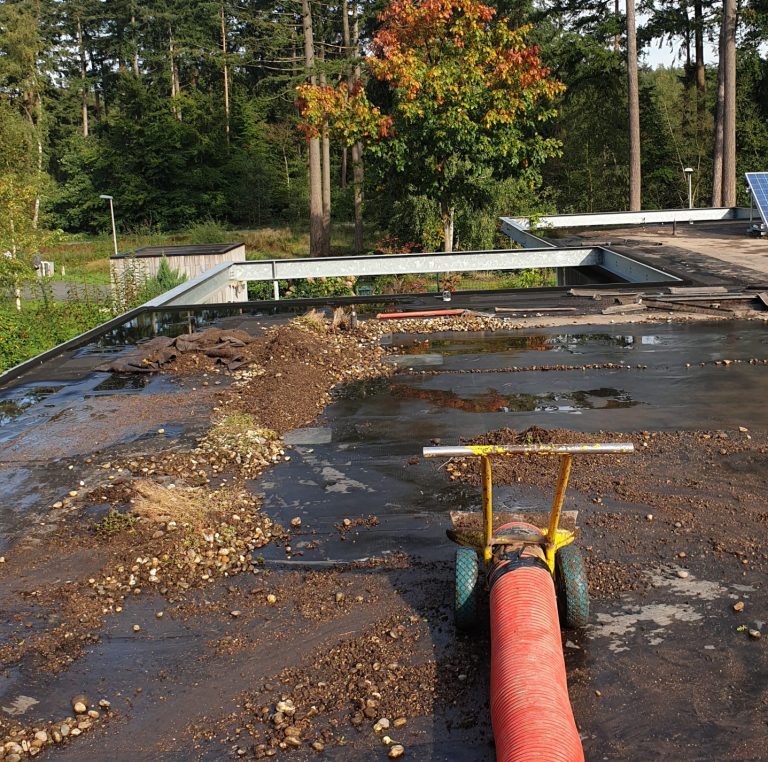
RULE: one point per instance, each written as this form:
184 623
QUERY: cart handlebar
531 449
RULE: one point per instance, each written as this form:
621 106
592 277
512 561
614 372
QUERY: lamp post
112 215
688 172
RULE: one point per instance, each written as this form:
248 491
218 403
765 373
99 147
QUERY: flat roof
183 250
722 249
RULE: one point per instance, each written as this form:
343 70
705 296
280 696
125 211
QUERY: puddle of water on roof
14 404
493 401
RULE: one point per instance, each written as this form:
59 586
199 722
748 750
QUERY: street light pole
689 172
112 215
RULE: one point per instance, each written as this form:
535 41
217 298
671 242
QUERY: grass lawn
86 259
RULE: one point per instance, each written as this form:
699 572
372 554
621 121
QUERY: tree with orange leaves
468 98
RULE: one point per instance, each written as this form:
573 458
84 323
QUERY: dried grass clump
341 320
158 504
314 320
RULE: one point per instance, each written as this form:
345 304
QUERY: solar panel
758 184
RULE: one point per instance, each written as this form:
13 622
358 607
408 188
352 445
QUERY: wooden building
188 260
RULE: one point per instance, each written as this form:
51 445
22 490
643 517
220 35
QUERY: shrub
209 231
40 326
305 288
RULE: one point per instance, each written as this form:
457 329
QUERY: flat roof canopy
184 250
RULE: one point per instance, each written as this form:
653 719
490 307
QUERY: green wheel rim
572 588
465 602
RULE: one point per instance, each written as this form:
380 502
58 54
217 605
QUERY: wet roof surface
641 650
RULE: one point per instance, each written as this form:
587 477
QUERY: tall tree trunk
83 75
326 183
717 153
358 177
135 45
33 107
226 71
345 39
325 145
17 287
175 86
447 215
617 36
701 80
729 103
315 171
358 173
39 140
634 112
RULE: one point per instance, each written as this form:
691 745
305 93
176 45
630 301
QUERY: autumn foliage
348 114
451 53
468 99
438 56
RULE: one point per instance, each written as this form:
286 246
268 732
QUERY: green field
85 259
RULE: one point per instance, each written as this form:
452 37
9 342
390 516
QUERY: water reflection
566 342
12 407
493 401
117 382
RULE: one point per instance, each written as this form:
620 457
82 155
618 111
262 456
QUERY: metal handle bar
564 451
535 449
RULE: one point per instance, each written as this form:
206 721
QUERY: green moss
114 523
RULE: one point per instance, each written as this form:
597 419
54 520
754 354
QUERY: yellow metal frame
554 537
561 537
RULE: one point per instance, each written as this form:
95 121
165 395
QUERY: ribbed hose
530 709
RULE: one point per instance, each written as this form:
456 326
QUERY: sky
666 55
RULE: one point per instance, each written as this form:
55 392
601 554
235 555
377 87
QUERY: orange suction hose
421 314
530 709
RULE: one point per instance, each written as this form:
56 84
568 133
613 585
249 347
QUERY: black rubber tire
466 574
572 588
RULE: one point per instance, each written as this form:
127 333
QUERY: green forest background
127 98
185 112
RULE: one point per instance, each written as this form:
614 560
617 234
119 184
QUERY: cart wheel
572 588
465 603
